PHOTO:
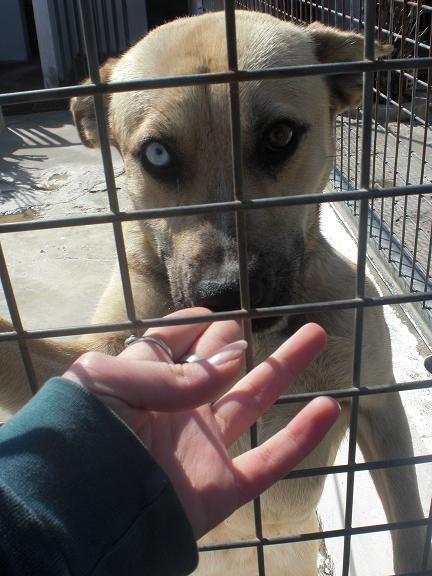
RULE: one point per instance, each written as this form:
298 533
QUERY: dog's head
176 146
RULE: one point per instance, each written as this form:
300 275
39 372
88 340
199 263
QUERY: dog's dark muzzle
222 296
213 283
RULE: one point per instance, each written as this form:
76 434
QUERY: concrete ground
45 172
401 157
58 276
372 554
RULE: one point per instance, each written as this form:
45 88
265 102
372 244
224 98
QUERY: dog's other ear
332 45
82 109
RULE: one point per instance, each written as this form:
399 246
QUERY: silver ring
154 339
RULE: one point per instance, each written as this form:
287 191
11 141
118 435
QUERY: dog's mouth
225 297
273 282
265 323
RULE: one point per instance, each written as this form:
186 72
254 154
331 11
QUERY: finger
239 408
217 336
261 467
178 338
158 386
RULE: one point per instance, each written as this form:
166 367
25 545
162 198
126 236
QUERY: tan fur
196 120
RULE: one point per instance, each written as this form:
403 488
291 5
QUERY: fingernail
193 358
231 352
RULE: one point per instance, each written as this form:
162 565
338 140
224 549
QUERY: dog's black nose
219 296
216 295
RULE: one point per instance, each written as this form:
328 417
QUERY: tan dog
176 148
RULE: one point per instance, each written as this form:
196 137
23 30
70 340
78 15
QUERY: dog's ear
332 45
82 109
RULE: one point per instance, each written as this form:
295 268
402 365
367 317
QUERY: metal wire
16 322
92 89
229 206
342 532
237 160
87 25
352 303
369 54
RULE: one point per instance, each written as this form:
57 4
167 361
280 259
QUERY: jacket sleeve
80 495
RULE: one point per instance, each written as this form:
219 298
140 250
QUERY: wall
13 32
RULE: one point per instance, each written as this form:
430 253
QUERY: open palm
167 405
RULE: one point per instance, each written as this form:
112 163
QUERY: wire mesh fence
401 144
390 197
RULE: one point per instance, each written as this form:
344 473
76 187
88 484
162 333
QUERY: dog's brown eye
278 136
276 144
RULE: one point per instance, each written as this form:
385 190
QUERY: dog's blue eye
157 155
159 160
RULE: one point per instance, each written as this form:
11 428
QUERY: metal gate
369 186
401 151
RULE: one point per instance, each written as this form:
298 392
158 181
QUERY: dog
176 147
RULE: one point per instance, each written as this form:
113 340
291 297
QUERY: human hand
166 405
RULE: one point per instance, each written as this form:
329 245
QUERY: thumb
159 386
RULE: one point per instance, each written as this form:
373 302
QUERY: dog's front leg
151 300
384 434
48 357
